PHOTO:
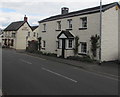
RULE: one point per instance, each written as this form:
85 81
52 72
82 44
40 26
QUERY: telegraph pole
100 31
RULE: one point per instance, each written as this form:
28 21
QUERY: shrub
94 44
32 46
49 54
76 45
83 59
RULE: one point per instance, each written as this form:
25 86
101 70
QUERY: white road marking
35 57
25 61
40 58
59 75
31 56
97 74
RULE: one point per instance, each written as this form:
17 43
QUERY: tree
32 46
94 44
39 43
76 45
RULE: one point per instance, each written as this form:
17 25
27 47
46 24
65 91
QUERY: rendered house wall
110 35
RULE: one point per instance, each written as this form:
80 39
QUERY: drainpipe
100 31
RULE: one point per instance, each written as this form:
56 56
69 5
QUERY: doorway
63 48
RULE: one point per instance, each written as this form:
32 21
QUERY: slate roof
34 27
14 26
66 33
81 12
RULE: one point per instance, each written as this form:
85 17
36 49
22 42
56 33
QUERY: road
27 75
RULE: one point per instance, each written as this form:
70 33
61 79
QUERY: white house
1 39
35 32
58 32
17 34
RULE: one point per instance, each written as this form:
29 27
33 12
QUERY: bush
40 52
32 46
83 59
49 54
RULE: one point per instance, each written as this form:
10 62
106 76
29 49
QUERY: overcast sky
14 10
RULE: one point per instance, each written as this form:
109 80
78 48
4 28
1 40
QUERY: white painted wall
8 35
0 39
119 33
50 36
110 35
21 37
32 35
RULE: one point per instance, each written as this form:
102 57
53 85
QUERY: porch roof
66 33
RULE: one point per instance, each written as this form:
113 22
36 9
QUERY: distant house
35 31
1 35
58 32
17 34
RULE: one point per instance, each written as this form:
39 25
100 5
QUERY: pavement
106 68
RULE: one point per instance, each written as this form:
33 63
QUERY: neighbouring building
17 34
35 32
58 32
119 35
1 35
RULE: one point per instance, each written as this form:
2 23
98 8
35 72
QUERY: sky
36 10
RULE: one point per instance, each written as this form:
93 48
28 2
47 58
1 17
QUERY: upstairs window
58 25
28 34
13 35
44 28
83 22
34 34
37 35
70 24
5 34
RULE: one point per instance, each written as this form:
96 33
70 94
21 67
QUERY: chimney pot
25 18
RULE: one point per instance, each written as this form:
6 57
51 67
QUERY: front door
63 48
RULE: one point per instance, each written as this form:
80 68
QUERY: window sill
66 48
43 48
69 49
82 53
43 31
82 28
69 29
59 48
57 30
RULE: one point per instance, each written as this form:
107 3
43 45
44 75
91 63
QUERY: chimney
25 18
64 10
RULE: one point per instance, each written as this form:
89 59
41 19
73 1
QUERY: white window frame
59 25
70 45
44 27
28 34
67 44
43 44
13 34
69 23
34 34
37 35
80 48
82 22
60 44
